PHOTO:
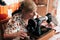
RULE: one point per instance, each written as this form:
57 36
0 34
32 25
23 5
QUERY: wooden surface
47 35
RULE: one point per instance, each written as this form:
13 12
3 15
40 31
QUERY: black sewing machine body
34 26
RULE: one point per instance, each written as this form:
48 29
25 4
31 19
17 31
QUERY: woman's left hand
52 25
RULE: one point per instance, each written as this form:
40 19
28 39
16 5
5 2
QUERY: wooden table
47 35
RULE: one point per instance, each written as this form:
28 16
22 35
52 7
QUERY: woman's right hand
22 34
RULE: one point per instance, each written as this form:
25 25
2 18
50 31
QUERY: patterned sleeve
13 25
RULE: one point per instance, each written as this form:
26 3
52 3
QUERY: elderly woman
17 24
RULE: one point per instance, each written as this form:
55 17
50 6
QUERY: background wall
58 12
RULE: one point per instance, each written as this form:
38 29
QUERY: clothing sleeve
12 28
13 25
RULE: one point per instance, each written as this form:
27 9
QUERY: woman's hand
44 23
52 25
22 34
